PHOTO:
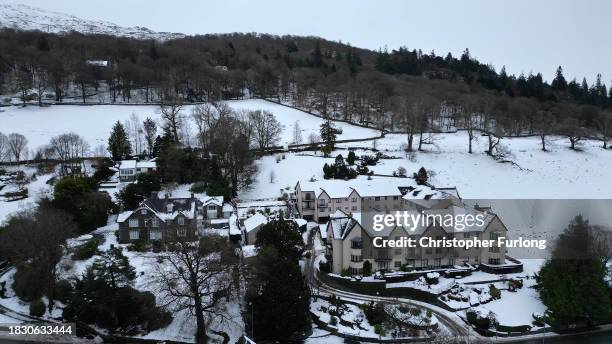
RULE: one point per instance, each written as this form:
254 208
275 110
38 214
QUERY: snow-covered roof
125 164
300 222
254 222
233 223
369 187
131 164
208 200
228 208
146 164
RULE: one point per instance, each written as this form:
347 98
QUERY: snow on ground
560 173
523 303
443 285
94 122
36 189
308 124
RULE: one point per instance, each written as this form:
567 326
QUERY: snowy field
94 122
558 174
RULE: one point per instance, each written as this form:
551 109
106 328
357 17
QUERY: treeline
402 90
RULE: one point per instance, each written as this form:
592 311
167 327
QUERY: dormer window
143 212
170 207
180 221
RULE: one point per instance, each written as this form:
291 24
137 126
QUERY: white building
130 169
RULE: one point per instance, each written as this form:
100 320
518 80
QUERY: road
449 319
453 323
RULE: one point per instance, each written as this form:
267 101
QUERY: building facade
171 219
349 244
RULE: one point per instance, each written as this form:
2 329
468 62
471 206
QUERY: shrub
379 330
367 268
494 292
89 249
375 313
139 245
480 322
345 273
333 321
37 308
63 291
27 284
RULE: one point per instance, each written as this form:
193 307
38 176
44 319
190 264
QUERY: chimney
192 195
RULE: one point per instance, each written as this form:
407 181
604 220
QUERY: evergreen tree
559 83
350 159
421 176
329 132
317 55
284 236
279 298
114 269
572 283
119 143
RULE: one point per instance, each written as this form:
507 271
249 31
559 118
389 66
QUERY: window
212 207
321 203
395 198
155 222
133 223
355 271
451 261
155 235
494 261
143 211
356 243
181 232
354 208
438 239
437 262
134 235
356 258
377 198
410 262
354 199
411 252
494 236
424 263
397 264
398 251
181 221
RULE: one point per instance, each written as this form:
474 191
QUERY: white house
129 169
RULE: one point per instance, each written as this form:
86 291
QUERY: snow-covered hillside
23 17
94 122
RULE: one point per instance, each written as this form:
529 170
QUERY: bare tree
135 131
17 146
470 116
150 131
170 108
204 116
297 133
197 278
70 149
40 79
604 124
544 124
4 147
266 129
573 130
409 111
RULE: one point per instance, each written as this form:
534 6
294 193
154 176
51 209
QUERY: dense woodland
402 90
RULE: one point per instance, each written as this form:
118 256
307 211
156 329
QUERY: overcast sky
524 35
